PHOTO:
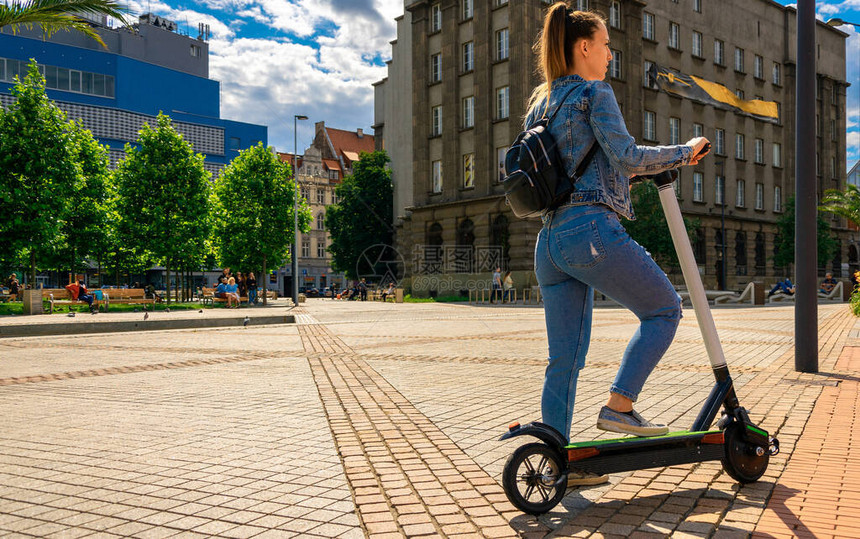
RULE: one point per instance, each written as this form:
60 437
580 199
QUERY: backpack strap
557 108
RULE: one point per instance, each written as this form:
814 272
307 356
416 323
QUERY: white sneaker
581 478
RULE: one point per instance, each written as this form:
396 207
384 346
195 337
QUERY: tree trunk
265 288
167 269
33 268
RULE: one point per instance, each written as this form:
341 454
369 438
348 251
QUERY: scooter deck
634 453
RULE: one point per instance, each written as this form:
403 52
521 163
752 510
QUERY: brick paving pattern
366 419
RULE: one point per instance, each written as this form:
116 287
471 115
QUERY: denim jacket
590 111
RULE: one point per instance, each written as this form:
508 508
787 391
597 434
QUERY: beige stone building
455 96
321 169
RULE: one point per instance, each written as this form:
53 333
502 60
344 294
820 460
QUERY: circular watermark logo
381 264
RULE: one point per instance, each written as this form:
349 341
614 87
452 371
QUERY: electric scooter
535 475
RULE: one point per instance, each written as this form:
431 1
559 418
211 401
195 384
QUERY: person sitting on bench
828 283
78 291
783 287
388 291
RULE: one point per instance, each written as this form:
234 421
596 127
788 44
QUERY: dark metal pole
725 264
806 244
295 261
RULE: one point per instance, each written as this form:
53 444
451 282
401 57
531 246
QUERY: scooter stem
689 268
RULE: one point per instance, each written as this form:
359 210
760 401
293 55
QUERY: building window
503 102
648 25
740 195
320 196
468 171
437 176
720 142
469 112
758 67
435 17
698 130
582 5
437 121
502 51
435 68
306 249
759 196
195 51
739 93
739 60
719 52
306 193
739 146
615 14
777 198
650 127
468 56
674 36
334 197
677 185
60 78
777 74
615 65
697 44
698 187
719 190
320 248
235 143
759 150
777 154
500 2
468 9
648 76
832 129
674 131
697 6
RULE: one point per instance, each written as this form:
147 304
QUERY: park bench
208 296
126 295
61 296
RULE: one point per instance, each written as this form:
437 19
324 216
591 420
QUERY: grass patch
17 308
441 299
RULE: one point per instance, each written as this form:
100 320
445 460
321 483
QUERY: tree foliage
164 199
253 211
650 229
38 170
842 203
55 15
785 238
363 217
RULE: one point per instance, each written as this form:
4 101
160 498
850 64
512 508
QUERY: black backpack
535 178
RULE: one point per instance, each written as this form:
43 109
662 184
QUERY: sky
319 58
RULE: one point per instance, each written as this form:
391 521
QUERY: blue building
146 69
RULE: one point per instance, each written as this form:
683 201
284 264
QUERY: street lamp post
295 261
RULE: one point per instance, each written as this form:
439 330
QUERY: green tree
785 238
83 231
842 203
363 217
164 206
38 170
55 15
650 229
254 212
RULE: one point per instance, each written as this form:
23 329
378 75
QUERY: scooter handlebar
663 178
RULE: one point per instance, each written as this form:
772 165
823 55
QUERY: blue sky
277 58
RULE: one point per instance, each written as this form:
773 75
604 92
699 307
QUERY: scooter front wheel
533 478
743 461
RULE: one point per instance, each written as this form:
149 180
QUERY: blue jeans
580 249
252 295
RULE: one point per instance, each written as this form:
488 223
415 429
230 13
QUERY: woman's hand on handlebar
701 147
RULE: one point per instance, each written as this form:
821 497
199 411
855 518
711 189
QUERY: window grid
437 177
698 130
320 195
697 44
469 112
759 196
615 65
468 9
719 52
503 103
435 18
698 188
674 36
739 60
435 67
777 198
720 140
468 171
320 248
615 14
697 6
502 50
739 146
437 121
759 150
674 131
468 56
758 67
648 79
61 78
649 126
719 189
777 154
740 195
647 25
776 74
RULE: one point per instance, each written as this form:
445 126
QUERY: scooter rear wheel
742 460
531 478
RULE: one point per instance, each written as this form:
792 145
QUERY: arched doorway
464 258
740 253
432 256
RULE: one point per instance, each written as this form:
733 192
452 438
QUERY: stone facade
454 212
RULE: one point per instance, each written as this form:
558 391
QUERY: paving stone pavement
369 419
